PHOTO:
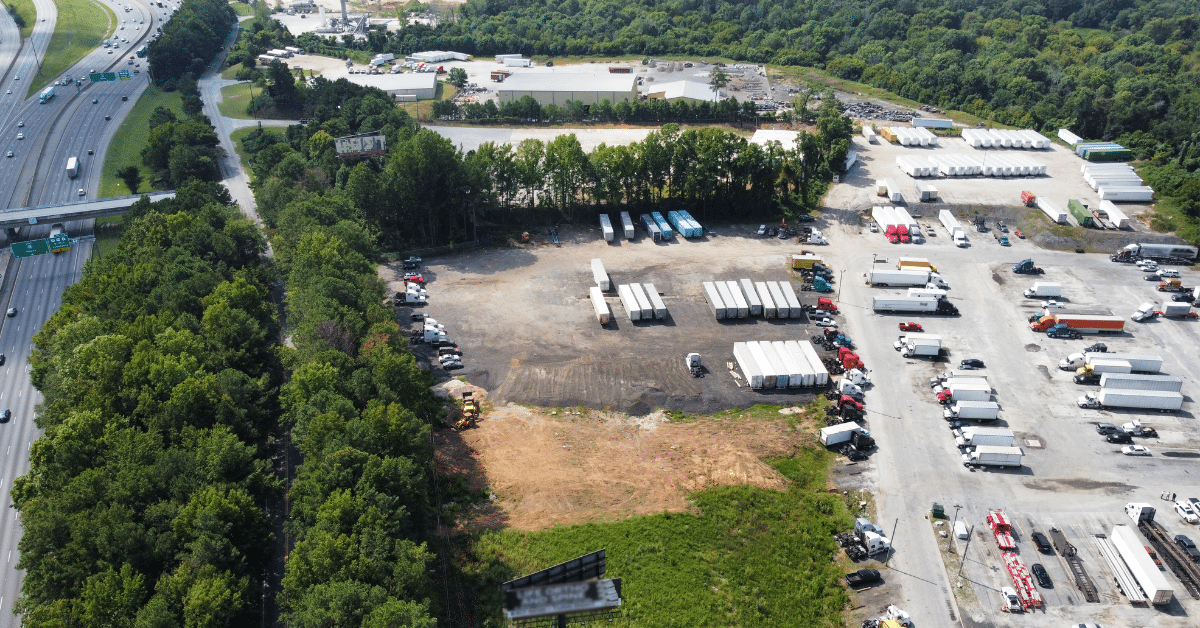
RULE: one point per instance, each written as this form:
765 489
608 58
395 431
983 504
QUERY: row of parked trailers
1004 138
888 216
687 226
780 364
1116 182
745 298
990 165
907 136
642 302
1103 151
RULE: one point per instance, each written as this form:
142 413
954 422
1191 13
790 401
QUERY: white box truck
600 276
1120 381
1042 289
838 434
72 167
603 314
1161 400
970 392
972 410
993 456
980 436
917 346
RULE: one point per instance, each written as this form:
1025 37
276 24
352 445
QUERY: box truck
1161 400
919 346
993 456
973 410
72 167
838 434
1042 289
970 392
980 436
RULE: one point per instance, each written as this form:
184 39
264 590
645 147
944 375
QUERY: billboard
362 145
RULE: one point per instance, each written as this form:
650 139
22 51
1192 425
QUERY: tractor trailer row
642 302
780 364
741 299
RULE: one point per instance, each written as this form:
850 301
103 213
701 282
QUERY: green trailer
1080 213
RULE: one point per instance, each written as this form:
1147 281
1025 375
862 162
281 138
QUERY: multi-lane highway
80 121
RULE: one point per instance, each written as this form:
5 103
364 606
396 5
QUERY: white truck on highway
980 436
904 278
1043 289
72 167
1161 400
974 410
919 345
993 456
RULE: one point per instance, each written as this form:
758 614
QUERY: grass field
108 235
82 26
27 11
131 138
241 8
743 557
235 99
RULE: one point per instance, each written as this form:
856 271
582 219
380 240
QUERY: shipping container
1133 381
1070 138
1052 210
782 309
1081 213
714 299
656 302
768 302
627 225
603 314
629 302
642 301
1132 549
600 276
756 308
606 228
743 307
750 368
651 227
789 295
663 225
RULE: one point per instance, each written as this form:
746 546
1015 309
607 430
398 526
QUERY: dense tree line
427 192
190 40
144 502
259 34
657 111
179 151
358 405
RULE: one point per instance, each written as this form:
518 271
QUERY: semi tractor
915 305
905 278
993 456
972 410
1161 400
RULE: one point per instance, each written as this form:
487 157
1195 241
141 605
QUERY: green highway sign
60 242
30 248
124 74
100 77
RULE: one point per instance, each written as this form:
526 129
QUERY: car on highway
2 359
1135 450
10 91
81 192
5 415
12 311
9 154
21 124
1188 546
911 327
20 136
1043 578
95 100
972 362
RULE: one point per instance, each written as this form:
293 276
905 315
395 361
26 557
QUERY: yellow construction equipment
470 412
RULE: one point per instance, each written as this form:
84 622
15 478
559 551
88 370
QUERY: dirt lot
604 466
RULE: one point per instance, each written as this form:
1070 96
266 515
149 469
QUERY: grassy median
26 10
81 27
235 101
131 138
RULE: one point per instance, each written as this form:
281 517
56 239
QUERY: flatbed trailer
1177 561
1083 581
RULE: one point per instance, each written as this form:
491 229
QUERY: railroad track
1179 562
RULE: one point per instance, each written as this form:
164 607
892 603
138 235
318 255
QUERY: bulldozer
470 412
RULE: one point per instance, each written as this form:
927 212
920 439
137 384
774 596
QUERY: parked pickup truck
862 577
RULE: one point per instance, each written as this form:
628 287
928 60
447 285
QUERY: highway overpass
74 211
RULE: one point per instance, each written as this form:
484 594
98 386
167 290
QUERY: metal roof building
688 90
405 87
556 88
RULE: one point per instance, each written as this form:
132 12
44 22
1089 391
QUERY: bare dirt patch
552 467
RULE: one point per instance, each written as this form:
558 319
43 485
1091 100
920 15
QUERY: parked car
1188 546
825 322
1107 428
1019 234
1135 450
1119 438
414 278
417 316
874 228
974 362
1183 297
1043 578
1150 277
1040 540
1185 512
911 327
762 230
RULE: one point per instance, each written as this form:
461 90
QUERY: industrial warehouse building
556 88
693 91
405 87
